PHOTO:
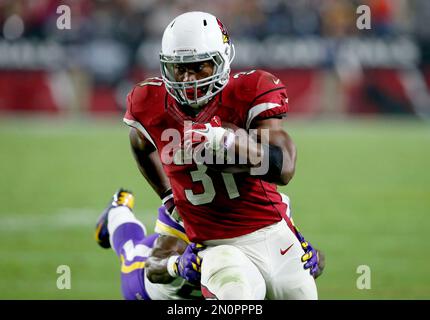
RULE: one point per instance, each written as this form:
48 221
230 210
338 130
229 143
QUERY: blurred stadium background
359 102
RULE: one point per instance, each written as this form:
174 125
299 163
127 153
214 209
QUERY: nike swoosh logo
276 81
286 250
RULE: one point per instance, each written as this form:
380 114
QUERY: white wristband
167 198
171 266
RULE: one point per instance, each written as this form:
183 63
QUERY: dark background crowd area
113 44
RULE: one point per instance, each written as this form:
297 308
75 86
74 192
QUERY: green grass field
361 193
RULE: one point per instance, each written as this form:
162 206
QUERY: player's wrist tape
273 154
166 196
172 266
168 201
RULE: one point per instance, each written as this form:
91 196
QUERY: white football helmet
194 37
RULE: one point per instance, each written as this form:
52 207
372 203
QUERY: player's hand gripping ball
211 136
213 145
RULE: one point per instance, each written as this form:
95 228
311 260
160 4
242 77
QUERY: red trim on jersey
287 219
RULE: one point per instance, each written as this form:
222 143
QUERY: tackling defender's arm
171 257
156 264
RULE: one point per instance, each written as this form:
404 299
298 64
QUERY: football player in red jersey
252 249
142 253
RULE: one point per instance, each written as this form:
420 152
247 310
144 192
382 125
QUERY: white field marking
63 219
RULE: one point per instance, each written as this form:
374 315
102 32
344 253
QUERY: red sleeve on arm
276 111
128 114
133 115
270 101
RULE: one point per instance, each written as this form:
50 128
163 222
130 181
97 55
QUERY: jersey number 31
208 195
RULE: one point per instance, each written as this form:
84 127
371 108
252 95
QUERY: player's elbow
286 176
288 166
283 157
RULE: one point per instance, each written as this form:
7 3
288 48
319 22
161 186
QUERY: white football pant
265 264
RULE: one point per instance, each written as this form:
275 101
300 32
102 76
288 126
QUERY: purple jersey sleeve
170 225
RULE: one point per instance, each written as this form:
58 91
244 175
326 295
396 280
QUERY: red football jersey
214 205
